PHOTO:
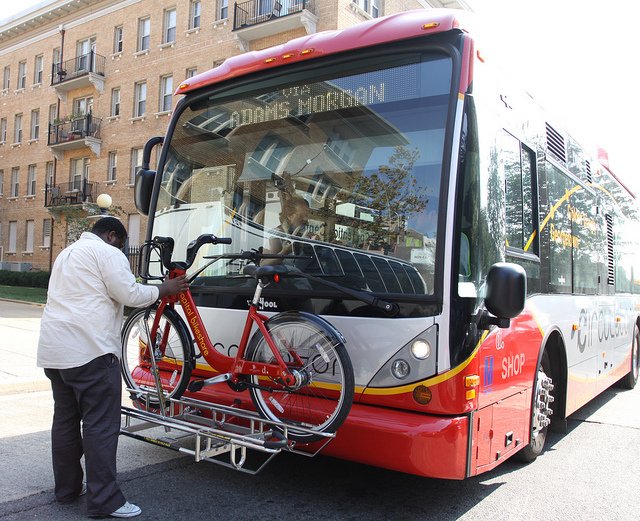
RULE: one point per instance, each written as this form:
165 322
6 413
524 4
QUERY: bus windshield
342 173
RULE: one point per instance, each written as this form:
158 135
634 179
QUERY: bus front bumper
425 445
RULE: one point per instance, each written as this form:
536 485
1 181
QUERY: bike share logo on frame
193 320
265 304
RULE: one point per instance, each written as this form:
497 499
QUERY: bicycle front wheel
173 355
313 351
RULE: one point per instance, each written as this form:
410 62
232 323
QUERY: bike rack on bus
211 432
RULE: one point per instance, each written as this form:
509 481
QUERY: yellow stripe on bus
563 199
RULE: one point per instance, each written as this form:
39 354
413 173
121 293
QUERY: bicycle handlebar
166 249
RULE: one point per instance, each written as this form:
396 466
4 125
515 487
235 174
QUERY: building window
223 9
38 66
79 172
1 183
22 75
117 39
28 243
144 31
112 165
13 236
169 34
194 16
3 130
15 181
49 173
85 54
53 113
55 56
31 180
140 100
166 92
17 129
46 233
371 7
35 124
191 72
6 77
81 107
136 162
115 102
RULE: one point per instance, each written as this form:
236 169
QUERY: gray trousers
90 394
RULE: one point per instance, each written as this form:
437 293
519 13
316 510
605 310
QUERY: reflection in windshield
354 162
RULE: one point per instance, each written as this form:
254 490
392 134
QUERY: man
79 348
293 222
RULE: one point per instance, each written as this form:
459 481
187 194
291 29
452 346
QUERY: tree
394 193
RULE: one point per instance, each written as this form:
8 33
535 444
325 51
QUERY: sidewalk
27 411
20 324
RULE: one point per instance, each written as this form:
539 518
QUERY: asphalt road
590 473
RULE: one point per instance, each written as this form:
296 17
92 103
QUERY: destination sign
360 90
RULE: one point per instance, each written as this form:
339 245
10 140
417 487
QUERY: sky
573 56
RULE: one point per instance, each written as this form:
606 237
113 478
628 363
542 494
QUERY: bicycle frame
235 366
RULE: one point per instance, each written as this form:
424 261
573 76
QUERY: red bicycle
295 365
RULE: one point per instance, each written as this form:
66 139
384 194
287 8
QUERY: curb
22 302
25 387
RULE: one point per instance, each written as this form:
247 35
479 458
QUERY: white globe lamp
104 202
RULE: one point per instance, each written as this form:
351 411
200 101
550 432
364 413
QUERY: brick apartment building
85 83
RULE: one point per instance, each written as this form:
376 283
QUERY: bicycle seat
258 272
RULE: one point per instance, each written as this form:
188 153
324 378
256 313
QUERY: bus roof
391 28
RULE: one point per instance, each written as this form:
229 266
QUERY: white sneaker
127 510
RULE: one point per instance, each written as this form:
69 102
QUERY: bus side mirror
143 189
145 178
506 293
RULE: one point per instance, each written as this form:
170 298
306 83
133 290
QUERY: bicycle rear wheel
316 353
174 356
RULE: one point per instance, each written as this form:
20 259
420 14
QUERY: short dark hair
110 224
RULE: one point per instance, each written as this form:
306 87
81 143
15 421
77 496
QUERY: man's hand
173 286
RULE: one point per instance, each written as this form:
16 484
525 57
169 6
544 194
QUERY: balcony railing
73 129
254 12
76 192
79 66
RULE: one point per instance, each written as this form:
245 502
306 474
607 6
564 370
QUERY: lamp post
104 203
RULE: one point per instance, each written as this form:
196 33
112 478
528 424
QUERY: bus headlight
400 368
421 349
412 362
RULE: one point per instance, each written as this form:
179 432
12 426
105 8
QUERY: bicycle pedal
197 385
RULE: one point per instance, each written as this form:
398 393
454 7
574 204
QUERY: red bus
435 183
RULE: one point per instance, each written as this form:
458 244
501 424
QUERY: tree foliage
393 192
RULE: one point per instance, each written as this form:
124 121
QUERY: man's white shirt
90 284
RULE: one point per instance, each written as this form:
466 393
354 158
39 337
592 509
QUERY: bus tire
540 411
631 378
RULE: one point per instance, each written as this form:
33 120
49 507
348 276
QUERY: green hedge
29 279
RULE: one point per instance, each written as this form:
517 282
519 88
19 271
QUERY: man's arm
123 288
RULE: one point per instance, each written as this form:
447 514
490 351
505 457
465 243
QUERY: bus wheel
630 381
540 412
